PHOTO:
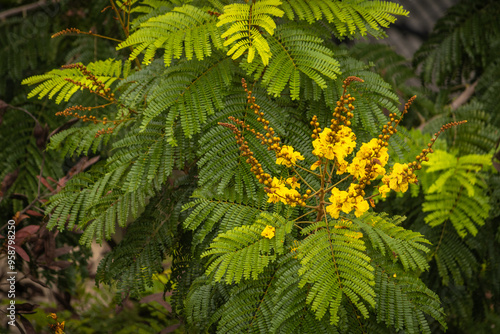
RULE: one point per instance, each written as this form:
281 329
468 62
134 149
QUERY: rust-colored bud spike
101 89
270 139
214 13
390 128
344 109
232 127
417 164
67 31
256 167
407 106
352 78
104 131
71 112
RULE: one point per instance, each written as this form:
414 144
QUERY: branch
457 103
23 9
464 97
23 110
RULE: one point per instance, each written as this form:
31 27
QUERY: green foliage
190 91
186 29
455 191
346 17
56 81
387 237
334 265
403 301
296 52
459 42
150 239
244 22
243 253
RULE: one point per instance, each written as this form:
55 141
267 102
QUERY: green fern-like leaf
296 52
455 260
403 300
249 308
347 17
54 82
203 300
455 191
189 91
478 136
290 313
80 140
459 44
117 193
245 22
151 238
404 246
243 253
185 28
209 217
334 263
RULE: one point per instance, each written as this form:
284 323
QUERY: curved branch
23 9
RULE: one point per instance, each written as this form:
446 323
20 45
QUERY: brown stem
23 9
125 29
23 110
457 103
464 96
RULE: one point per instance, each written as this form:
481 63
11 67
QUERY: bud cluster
269 139
417 164
256 167
97 86
69 31
70 112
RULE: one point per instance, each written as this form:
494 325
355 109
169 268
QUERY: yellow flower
335 145
384 189
292 182
268 232
290 195
342 167
360 204
400 177
60 328
333 210
288 157
276 191
369 153
279 192
316 165
340 202
357 168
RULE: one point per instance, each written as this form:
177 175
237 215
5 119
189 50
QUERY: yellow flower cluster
334 145
346 201
370 154
58 327
268 232
398 180
287 156
279 192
